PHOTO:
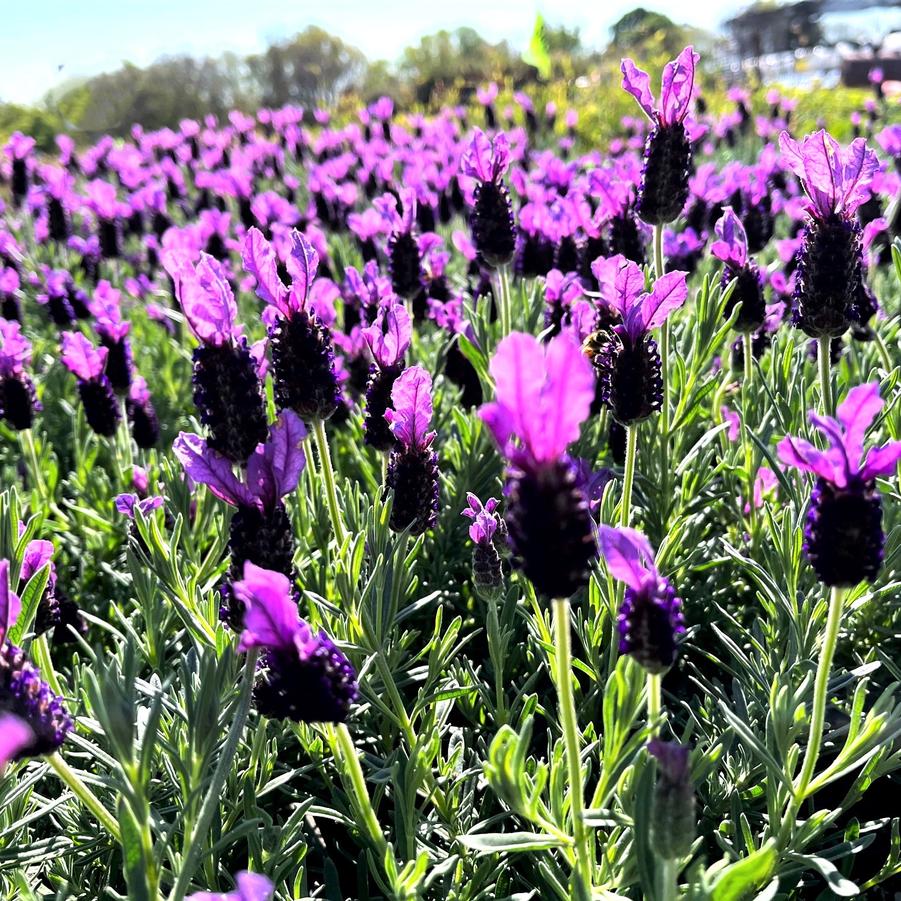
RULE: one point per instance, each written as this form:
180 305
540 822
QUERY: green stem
748 353
328 476
504 312
625 508
824 351
655 699
818 713
210 804
71 779
659 270
495 652
571 743
669 880
349 760
41 654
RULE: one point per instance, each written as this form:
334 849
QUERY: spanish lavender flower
250 887
543 395
87 363
625 355
260 530
303 355
673 821
843 538
227 389
17 397
15 736
113 332
388 339
18 149
102 200
650 619
22 692
836 182
667 154
9 294
404 262
413 465
731 247
491 220
302 675
145 425
489 535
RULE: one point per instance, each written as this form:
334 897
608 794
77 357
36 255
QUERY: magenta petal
15 736
283 452
802 455
254 887
389 336
881 461
501 161
302 263
638 83
668 294
476 161
209 468
81 358
856 412
411 415
10 605
628 554
518 370
621 281
859 165
566 399
270 612
678 86
732 244
500 423
38 553
260 261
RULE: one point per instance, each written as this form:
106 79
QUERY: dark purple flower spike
488 533
650 618
843 538
413 464
227 388
17 397
731 247
543 394
667 154
491 219
302 675
303 356
836 182
625 355
87 363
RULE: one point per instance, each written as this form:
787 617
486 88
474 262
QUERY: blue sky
89 36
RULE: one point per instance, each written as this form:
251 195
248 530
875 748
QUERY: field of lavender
433 507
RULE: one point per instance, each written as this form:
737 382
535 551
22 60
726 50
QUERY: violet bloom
15 737
388 339
491 220
843 538
113 332
667 151
17 397
227 389
260 531
413 464
404 262
731 247
625 355
650 619
836 182
88 363
488 533
22 692
250 887
543 395
302 675
145 425
303 355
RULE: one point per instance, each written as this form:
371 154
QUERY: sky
45 42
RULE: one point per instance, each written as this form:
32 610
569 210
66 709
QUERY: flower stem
210 804
748 354
818 713
625 508
659 269
669 884
70 778
348 759
504 312
824 352
328 476
571 742
655 699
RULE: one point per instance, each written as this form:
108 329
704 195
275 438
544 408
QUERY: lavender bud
629 376
413 475
673 819
100 406
492 224
747 291
404 264
378 398
17 401
664 177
